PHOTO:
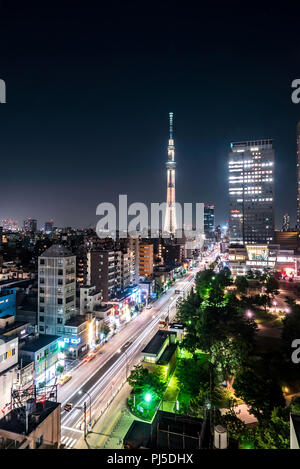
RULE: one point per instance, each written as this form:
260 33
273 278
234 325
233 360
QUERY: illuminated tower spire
170 217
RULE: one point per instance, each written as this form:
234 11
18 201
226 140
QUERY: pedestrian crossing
68 442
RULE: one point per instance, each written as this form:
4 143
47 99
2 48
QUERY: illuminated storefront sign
74 341
257 253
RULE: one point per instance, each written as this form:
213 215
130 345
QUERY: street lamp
249 314
148 397
86 392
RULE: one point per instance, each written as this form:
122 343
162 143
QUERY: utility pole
84 411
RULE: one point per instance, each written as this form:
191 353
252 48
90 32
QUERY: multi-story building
104 271
113 269
251 192
43 351
57 289
8 368
7 302
209 218
30 225
35 425
90 297
286 222
146 259
49 226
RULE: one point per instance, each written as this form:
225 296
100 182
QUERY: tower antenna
171 124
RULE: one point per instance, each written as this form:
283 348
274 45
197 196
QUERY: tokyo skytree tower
170 217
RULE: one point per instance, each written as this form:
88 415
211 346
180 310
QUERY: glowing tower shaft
170 217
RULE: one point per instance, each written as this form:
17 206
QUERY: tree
191 375
272 286
59 369
241 284
262 300
142 381
137 378
259 389
275 434
235 426
295 405
105 330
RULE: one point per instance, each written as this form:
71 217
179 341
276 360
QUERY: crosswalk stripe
63 439
67 441
72 444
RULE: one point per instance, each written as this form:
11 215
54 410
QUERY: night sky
89 89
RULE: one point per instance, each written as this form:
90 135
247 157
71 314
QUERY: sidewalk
109 431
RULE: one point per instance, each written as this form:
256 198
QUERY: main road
94 384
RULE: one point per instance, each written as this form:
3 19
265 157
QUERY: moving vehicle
162 324
89 357
177 291
149 306
64 379
68 406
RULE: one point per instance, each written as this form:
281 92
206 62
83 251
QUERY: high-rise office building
57 289
49 226
286 222
251 192
30 225
298 176
209 218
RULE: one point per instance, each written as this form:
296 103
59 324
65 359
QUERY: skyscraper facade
251 192
30 225
209 218
57 289
170 216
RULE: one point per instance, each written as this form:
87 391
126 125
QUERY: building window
42 329
60 272
42 261
42 290
42 299
42 318
59 301
59 321
42 309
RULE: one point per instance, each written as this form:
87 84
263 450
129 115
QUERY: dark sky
90 85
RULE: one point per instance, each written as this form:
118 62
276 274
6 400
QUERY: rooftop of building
14 421
13 326
153 347
57 250
7 291
168 431
34 344
176 325
6 338
76 321
94 292
167 355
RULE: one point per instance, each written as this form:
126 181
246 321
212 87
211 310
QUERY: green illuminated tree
275 434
